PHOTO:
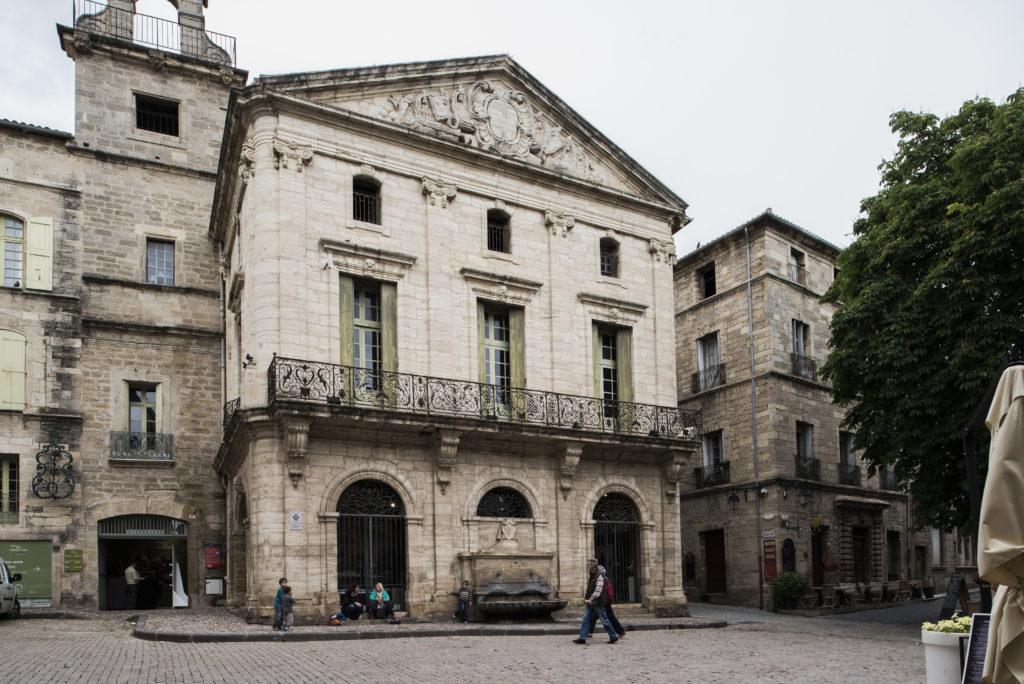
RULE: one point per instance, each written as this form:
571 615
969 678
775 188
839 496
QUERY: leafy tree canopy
932 297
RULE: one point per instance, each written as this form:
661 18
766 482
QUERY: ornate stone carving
83 43
362 261
247 162
490 116
370 172
567 462
662 251
447 449
285 152
559 222
296 435
157 60
673 469
507 530
439 191
616 311
503 288
226 75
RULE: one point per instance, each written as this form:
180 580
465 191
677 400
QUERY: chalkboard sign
977 645
956 584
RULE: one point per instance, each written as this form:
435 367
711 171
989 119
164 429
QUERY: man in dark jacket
594 596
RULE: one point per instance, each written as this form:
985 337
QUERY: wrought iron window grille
55 473
503 502
144 446
804 367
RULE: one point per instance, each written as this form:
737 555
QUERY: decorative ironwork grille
503 502
372 539
712 475
617 544
230 409
143 446
804 367
712 376
55 474
849 474
808 468
142 525
498 233
363 388
365 201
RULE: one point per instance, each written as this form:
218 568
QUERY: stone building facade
798 489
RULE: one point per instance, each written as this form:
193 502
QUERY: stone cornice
366 261
614 311
135 327
500 288
148 287
129 160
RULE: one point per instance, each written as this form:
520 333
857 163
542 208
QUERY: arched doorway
617 544
158 546
371 539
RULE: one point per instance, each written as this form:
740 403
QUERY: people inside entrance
352 603
131 586
380 605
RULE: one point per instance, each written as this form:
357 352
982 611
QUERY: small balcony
713 376
808 468
887 480
712 475
804 367
364 389
849 474
141 446
798 274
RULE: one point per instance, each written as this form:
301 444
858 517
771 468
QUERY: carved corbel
559 222
437 191
673 470
296 435
247 163
447 444
567 462
157 60
285 152
662 251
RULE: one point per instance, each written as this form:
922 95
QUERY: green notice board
73 560
33 561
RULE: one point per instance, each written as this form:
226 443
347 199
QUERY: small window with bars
156 115
609 258
498 232
8 489
366 200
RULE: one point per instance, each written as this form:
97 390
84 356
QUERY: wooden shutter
39 253
517 348
389 326
596 339
346 312
481 364
12 370
624 362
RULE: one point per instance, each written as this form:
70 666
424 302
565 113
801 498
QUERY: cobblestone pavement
875 646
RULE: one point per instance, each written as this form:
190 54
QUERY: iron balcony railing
419 394
804 367
849 474
712 376
711 475
229 411
143 446
887 480
808 468
98 17
798 273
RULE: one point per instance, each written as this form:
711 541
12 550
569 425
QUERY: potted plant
942 648
788 588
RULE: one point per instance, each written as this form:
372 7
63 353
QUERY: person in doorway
279 604
595 598
380 603
619 629
288 608
352 603
131 586
465 595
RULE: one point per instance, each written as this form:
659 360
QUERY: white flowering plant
955 625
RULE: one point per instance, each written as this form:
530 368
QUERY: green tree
932 296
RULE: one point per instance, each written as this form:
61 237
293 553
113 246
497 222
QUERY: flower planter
942 656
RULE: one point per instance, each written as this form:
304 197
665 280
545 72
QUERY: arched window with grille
503 502
609 258
372 539
366 200
617 544
499 231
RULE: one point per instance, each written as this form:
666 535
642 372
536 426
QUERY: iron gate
617 544
371 540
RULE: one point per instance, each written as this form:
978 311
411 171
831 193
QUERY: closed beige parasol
1001 534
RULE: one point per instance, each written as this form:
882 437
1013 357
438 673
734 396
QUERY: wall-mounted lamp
785 492
734 501
248 360
803 496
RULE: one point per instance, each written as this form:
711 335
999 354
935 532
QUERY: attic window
156 115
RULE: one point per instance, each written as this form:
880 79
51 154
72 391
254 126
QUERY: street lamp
734 501
803 497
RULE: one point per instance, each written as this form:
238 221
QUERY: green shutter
517 347
158 390
126 424
480 364
12 370
389 326
624 362
39 253
596 338
347 311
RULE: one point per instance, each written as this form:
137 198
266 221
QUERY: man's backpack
607 594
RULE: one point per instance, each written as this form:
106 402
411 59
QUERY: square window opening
156 115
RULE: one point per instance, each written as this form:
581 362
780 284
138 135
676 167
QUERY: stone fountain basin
516 607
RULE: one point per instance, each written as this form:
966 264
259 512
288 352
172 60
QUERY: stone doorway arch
617 544
372 539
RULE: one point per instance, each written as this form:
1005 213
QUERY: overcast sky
735 105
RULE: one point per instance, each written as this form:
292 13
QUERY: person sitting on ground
352 603
380 603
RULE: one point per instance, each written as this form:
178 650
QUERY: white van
9 604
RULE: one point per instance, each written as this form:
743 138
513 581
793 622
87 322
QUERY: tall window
366 200
366 335
12 370
706 280
143 413
609 258
797 265
156 115
714 452
8 489
801 337
14 251
501 357
846 455
498 232
497 354
804 442
608 363
708 362
613 369
159 262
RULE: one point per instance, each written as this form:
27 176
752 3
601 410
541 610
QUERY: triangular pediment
488 103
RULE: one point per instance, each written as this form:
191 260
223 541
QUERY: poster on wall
212 555
33 561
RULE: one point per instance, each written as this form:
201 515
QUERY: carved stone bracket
437 191
247 162
157 60
226 75
663 251
296 435
673 470
370 172
286 152
567 462
559 222
447 444
83 41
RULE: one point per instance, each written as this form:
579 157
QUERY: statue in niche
507 530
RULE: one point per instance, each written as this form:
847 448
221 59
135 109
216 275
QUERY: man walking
595 599
131 585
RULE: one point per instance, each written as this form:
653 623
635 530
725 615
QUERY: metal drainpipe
753 421
223 400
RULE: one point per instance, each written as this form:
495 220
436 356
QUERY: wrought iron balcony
141 446
123 24
804 367
798 273
709 476
327 383
808 468
887 480
849 474
229 411
712 376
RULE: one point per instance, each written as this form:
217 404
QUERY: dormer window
366 200
156 115
499 238
609 258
